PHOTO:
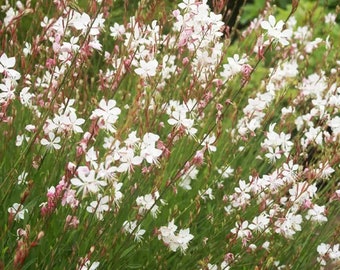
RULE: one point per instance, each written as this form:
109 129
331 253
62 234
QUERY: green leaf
29 264
251 11
127 251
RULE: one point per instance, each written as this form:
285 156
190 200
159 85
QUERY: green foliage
251 11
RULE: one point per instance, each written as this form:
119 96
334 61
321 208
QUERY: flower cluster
275 30
175 240
328 252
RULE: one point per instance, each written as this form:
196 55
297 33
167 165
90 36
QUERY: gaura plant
150 136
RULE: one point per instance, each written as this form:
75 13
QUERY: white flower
334 253
273 154
167 231
71 46
206 194
275 30
241 196
132 140
241 230
211 267
20 139
95 44
6 64
107 114
233 67
106 170
99 206
10 15
260 223
183 238
186 4
190 174
325 170
311 45
22 178
330 18
91 157
334 124
226 171
289 170
7 91
317 213
72 122
89 266
179 119
117 30
87 181
83 22
148 150
46 22
289 225
67 107
128 160
323 249
52 143
146 203
28 49
208 142
18 211
266 245
118 195
147 69
107 109
25 97
131 227
314 85
302 191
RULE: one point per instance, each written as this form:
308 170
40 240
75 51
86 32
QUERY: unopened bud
40 235
295 4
